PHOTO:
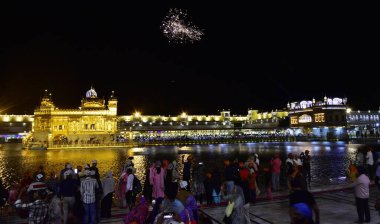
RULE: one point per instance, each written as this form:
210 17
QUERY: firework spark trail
178 30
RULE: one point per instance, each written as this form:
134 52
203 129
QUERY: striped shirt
87 190
38 210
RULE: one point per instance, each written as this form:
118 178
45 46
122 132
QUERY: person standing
244 180
197 186
69 187
361 188
276 167
88 188
290 168
108 185
208 188
216 180
99 191
359 158
4 194
240 213
158 182
256 159
306 166
53 183
171 177
369 163
377 173
129 196
302 203
353 171
228 175
268 182
187 165
38 209
188 200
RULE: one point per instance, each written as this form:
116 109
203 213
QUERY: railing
174 143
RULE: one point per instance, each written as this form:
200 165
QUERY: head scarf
108 184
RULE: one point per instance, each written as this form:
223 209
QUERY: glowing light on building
137 114
305 119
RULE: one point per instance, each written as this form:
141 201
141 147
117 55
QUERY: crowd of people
80 196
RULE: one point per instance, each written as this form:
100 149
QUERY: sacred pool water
329 160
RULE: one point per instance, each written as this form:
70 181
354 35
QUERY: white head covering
39 177
183 184
108 184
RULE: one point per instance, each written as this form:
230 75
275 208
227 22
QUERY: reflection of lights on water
316 148
338 178
185 148
341 148
242 148
138 149
328 148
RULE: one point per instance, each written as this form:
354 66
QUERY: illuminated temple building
323 119
96 122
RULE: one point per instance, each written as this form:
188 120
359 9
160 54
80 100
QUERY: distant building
93 123
363 124
320 119
183 124
14 127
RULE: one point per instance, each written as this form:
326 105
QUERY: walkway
336 204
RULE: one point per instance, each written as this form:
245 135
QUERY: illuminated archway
305 119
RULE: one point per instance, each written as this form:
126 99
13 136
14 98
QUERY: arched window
337 101
304 118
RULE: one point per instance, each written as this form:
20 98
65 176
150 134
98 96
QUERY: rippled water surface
329 160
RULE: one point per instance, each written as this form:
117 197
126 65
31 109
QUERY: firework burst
178 30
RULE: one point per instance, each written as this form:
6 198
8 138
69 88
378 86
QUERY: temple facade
325 119
94 122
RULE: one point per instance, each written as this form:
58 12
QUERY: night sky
250 56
